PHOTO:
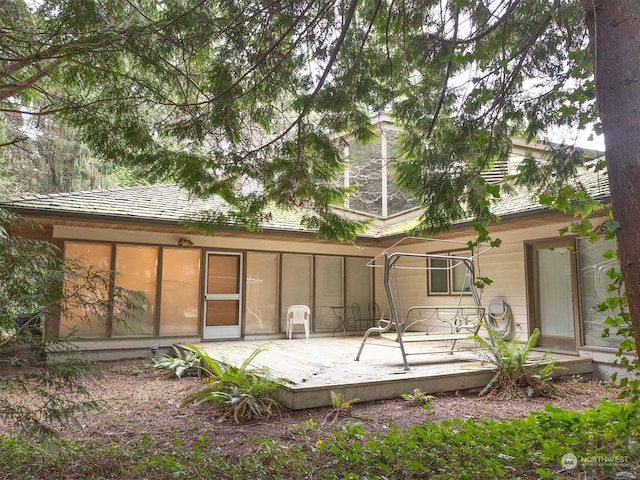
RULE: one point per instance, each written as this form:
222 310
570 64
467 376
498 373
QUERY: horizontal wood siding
506 268
214 242
505 265
410 288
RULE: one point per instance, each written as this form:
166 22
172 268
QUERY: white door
223 293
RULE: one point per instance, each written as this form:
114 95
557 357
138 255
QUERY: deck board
316 366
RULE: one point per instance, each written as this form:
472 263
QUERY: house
238 284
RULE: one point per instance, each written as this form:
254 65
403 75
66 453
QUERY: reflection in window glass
555 292
438 276
594 283
359 284
223 275
137 268
262 292
180 291
296 282
328 288
86 319
460 276
222 313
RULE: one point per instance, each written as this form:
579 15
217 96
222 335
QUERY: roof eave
157 222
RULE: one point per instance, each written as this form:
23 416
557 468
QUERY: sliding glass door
553 291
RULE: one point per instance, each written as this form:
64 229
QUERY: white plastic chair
298 314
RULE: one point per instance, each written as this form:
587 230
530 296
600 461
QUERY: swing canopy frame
426 322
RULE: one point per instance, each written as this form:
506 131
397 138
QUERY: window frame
109 321
449 271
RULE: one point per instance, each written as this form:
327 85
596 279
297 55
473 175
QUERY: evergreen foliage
36 286
225 96
50 158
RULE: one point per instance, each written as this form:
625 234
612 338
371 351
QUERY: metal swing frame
458 322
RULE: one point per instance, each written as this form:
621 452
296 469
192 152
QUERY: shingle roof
523 201
155 203
161 202
171 204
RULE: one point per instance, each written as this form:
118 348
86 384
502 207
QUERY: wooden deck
316 366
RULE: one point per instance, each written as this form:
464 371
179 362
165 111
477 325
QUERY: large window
166 298
371 166
297 277
137 269
87 318
329 291
326 284
594 283
448 276
359 284
180 290
261 293
341 282
168 287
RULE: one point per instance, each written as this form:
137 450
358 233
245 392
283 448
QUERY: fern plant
183 362
238 392
515 373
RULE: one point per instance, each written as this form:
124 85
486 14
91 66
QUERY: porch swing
446 324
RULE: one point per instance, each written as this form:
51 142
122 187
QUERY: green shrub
602 439
239 392
515 374
616 305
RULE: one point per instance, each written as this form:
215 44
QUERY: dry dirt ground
135 399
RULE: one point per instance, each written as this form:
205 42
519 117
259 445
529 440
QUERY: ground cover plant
143 432
181 363
604 441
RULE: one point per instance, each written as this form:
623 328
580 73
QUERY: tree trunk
614 30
